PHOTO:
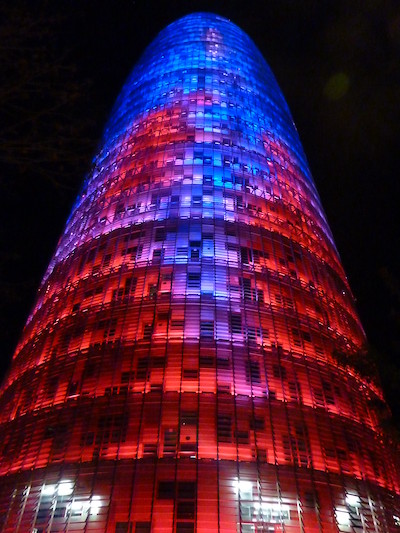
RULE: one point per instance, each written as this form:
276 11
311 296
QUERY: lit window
342 518
244 489
353 500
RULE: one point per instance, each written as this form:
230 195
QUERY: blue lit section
223 111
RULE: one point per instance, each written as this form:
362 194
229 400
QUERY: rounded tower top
209 46
200 84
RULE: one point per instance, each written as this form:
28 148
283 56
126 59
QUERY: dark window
142 527
170 441
158 254
223 363
245 255
185 527
195 254
246 287
190 373
153 289
224 428
117 293
279 371
148 331
242 437
236 324
166 490
251 333
193 280
158 362
187 490
253 372
174 200
257 423
185 509
197 200
142 368
189 419
206 361
207 329
123 527
160 234
130 285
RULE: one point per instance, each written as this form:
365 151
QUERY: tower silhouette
192 362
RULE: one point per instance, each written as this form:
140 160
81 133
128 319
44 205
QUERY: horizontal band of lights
185 367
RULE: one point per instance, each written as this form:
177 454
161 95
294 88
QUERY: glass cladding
180 369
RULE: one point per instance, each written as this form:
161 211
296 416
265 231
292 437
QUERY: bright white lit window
247 528
272 512
342 518
95 505
48 490
353 500
245 489
65 488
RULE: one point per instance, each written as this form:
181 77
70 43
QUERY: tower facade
185 366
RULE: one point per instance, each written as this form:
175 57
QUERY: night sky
338 64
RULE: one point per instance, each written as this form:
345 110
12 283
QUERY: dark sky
63 64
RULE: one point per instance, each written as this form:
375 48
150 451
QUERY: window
174 201
193 280
153 289
207 328
279 371
130 285
123 527
223 363
143 527
245 255
257 423
142 368
185 509
190 373
236 324
246 288
158 255
189 419
147 332
187 490
185 527
195 250
224 428
253 375
197 200
170 441
166 490
206 361
160 234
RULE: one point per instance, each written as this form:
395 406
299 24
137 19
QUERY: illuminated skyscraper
183 369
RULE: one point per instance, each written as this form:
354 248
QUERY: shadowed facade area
186 366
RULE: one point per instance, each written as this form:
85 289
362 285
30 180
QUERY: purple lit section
179 371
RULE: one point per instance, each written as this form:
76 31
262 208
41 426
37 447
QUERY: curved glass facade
184 366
